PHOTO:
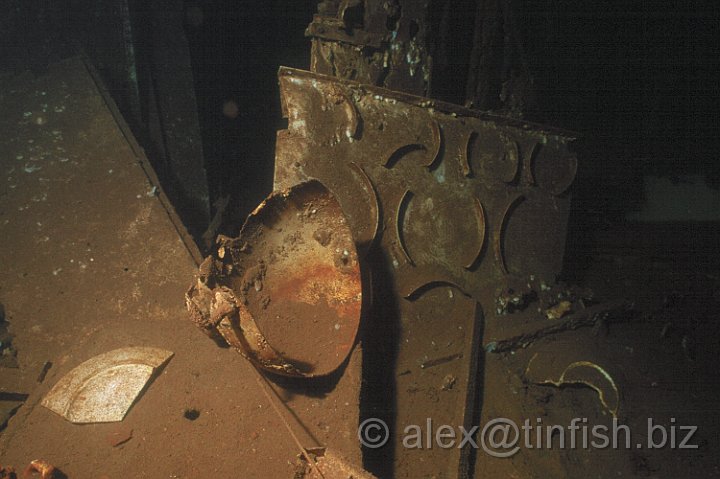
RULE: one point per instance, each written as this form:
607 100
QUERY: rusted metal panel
452 194
459 206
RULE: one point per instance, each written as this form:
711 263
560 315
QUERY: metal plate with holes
445 187
448 205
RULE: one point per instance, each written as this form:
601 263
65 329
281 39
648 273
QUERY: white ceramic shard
103 388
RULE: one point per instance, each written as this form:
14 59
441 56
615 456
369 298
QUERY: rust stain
321 283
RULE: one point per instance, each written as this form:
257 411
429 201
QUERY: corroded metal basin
287 292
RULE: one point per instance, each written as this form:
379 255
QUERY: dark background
637 79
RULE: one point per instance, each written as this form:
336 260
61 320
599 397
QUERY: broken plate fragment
103 388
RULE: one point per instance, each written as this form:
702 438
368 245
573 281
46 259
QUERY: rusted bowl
290 284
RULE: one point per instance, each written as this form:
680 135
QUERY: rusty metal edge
424 102
142 159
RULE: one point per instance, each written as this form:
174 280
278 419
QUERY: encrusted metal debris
550 368
287 292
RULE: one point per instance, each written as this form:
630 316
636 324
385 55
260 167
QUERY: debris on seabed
559 310
103 388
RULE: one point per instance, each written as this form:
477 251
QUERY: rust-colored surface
459 206
7 472
287 291
44 470
305 293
